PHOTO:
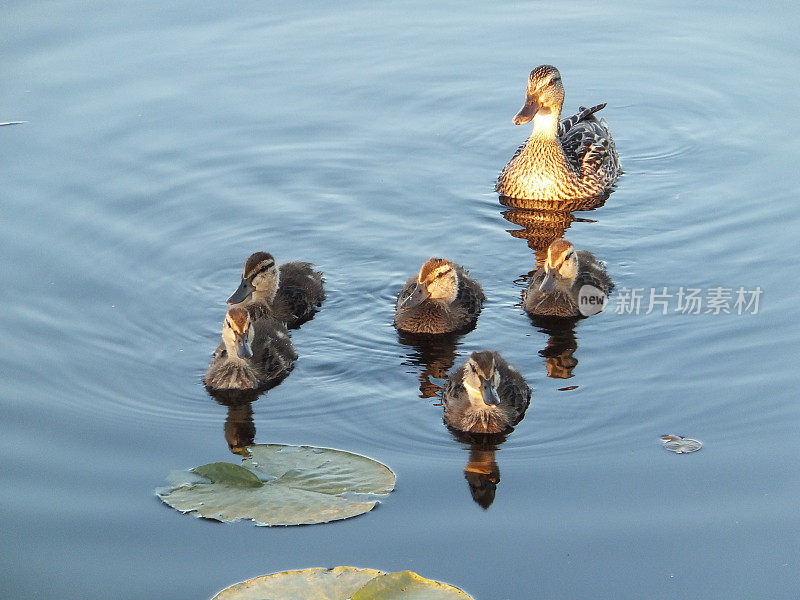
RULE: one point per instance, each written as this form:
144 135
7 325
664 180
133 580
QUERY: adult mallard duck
442 298
253 355
555 288
291 293
562 160
485 395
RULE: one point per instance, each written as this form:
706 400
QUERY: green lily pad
407 585
321 584
341 583
281 485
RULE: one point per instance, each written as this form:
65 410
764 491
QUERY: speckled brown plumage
273 358
299 294
575 158
563 301
435 316
513 391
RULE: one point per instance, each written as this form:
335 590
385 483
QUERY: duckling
485 395
253 354
291 293
555 287
571 159
442 298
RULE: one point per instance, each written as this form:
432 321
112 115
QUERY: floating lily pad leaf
407 585
321 584
222 472
286 485
680 445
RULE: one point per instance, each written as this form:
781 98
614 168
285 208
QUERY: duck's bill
527 111
417 297
489 394
242 292
549 283
243 349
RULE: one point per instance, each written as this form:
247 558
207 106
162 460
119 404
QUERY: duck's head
437 280
561 265
481 378
259 279
237 332
544 96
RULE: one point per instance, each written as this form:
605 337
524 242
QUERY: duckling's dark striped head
544 94
260 279
259 262
561 264
439 277
237 332
481 378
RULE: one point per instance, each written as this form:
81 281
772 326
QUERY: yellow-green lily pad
407 585
341 583
281 485
320 584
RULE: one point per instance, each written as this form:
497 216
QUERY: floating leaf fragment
281 485
680 444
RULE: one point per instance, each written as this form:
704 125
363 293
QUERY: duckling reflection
292 293
485 395
561 345
252 355
240 429
555 288
434 355
482 471
442 298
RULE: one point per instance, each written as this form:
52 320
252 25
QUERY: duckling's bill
242 292
243 349
417 297
549 281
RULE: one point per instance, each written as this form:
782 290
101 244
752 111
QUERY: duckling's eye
228 323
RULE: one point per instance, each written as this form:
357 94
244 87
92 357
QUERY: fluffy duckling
291 293
554 290
253 355
485 395
571 159
442 298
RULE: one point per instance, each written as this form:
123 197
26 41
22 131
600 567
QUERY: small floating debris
680 444
12 123
569 388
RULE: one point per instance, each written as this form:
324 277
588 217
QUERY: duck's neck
545 124
266 294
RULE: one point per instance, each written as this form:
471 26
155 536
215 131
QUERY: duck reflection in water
561 345
482 471
434 355
541 228
240 429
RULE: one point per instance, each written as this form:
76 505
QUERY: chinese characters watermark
686 300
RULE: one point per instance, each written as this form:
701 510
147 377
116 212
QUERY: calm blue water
165 142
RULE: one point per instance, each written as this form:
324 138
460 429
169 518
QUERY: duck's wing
593 272
273 350
514 387
300 293
470 293
588 144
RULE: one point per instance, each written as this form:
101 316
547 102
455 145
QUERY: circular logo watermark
591 300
